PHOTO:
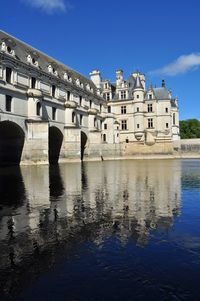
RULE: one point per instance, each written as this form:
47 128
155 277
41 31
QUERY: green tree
190 128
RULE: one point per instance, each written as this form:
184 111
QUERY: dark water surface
119 230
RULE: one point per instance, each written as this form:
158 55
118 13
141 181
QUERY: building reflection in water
55 206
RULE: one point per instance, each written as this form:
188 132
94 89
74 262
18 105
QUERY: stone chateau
51 113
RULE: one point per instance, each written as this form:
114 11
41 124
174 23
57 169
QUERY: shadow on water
12 190
84 176
56 186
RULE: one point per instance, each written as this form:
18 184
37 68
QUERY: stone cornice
15 63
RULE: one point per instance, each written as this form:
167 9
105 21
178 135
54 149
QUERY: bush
190 128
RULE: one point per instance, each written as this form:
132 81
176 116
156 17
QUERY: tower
138 96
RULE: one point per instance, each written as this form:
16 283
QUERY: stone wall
187 148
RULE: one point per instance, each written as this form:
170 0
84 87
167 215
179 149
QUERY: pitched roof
161 93
138 84
22 50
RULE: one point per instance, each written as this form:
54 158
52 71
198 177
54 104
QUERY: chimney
95 76
163 83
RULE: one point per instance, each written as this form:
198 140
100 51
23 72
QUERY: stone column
72 138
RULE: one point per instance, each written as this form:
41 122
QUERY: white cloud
182 64
49 6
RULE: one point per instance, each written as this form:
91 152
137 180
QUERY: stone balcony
34 93
71 104
92 111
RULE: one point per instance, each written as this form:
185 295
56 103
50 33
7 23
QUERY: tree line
190 128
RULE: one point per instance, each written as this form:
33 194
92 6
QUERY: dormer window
65 76
150 96
9 49
3 46
32 60
29 59
123 94
106 85
50 69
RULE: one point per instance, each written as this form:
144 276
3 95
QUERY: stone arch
83 144
55 143
11 143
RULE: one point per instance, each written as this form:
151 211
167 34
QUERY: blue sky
159 38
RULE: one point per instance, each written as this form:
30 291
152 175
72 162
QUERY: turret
138 95
119 77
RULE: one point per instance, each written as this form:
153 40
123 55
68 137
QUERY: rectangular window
166 110
150 108
107 96
124 125
123 109
8 75
80 101
167 125
138 126
105 126
8 103
106 85
68 95
138 109
174 119
150 123
123 94
109 109
138 96
150 96
53 90
81 119
33 82
53 113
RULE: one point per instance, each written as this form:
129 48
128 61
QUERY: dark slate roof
173 103
22 50
138 84
161 93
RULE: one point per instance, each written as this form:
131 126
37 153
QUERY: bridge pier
36 143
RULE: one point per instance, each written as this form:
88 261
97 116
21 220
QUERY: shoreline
117 158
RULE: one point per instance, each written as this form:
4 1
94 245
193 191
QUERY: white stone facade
143 115
50 113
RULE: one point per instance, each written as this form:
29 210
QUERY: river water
117 230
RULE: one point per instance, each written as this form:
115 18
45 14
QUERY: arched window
104 137
38 109
73 117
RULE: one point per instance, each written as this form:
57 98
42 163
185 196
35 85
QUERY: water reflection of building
57 205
